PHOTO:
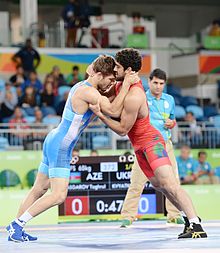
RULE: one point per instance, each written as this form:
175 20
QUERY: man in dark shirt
71 17
26 57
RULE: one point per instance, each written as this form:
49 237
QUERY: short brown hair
104 64
202 152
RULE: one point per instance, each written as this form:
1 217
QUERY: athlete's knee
59 197
39 190
171 189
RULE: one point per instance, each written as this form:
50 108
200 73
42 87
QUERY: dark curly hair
104 64
129 57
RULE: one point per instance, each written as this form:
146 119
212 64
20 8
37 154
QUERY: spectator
49 78
75 156
75 152
14 123
34 82
38 116
29 99
71 17
47 96
62 103
26 57
186 166
215 28
74 77
8 101
84 13
94 152
17 79
35 141
194 136
205 174
58 77
17 117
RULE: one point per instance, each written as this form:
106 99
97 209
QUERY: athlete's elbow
123 132
114 114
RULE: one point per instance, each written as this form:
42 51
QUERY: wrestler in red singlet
147 141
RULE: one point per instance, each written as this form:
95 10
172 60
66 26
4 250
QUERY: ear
128 70
99 76
90 70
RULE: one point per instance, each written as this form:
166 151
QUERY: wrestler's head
127 60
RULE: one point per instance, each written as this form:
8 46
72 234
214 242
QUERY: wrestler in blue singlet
59 143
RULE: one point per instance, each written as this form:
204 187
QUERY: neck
92 81
157 96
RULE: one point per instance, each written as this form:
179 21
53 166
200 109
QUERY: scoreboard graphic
98 186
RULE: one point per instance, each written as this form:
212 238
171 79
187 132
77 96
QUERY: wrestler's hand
169 123
96 109
131 78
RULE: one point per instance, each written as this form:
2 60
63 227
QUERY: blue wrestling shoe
15 232
28 238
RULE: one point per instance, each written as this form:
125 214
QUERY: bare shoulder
136 96
87 91
87 94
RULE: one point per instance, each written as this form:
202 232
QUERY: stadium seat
217 172
188 100
51 120
3 143
100 141
9 178
31 176
48 110
179 112
30 119
196 110
2 85
210 111
62 90
173 90
144 83
29 111
177 100
216 121
7 119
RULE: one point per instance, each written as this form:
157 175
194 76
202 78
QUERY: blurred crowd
195 170
24 94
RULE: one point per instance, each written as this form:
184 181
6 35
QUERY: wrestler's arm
128 116
115 107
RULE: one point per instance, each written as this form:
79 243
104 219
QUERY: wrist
173 124
101 116
194 177
126 84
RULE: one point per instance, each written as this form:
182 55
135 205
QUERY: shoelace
11 231
25 238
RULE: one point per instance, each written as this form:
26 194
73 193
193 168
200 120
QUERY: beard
120 78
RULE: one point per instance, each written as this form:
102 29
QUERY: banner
209 64
23 161
66 59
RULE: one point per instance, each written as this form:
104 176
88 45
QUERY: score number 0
78 205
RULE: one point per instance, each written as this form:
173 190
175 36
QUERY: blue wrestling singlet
59 143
